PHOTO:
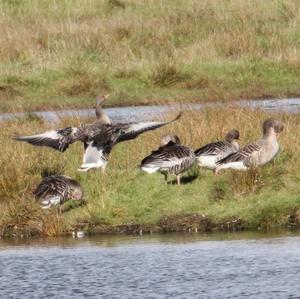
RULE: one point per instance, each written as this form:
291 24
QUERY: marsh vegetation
127 200
60 53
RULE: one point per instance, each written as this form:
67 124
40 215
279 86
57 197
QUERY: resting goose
170 158
56 189
98 137
256 153
209 154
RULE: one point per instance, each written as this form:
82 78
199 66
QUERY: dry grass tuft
243 183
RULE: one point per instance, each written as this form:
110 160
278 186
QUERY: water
142 113
163 266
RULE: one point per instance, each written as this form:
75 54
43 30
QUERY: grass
56 54
125 199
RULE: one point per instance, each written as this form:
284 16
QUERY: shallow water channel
229 265
141 113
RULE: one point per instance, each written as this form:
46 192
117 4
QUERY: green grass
267 199
56 54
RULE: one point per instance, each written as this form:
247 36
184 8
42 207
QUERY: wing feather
51 186
244 154
59 140
214 149
167 156
132 130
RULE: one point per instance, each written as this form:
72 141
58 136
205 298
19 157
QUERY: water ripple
267 268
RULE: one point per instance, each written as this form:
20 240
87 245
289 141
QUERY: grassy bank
56 54
126 200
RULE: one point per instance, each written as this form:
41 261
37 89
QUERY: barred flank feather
57 189
173 159
244 153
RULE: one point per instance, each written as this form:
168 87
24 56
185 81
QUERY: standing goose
209 154
256 153
170 158
57 189
98 137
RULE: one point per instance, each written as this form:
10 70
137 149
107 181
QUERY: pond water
243 265
142 113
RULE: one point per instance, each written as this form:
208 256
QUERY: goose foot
216 171
82 169
166 178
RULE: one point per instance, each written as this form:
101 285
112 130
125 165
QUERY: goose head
76 190
170 139
100 115
232 135
272 126
101 99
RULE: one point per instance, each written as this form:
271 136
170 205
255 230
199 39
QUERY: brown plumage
57 189
256 153
98 137
170 158
209 154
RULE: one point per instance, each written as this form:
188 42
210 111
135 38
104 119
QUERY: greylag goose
256 153
98 137
56 189
170 158
209 154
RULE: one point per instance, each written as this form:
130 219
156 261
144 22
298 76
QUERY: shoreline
181 223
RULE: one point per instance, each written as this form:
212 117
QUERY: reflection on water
246 265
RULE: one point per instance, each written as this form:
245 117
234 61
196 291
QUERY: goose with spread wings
98 137
256 153
209 154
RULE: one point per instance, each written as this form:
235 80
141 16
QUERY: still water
243 265
142 113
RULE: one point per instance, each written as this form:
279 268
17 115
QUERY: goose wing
59 140
132 130
168 156
214 149
244 154
53 186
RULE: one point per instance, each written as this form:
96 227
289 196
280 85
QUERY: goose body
256 153
98 138
208 155
100 144
56 189
170 158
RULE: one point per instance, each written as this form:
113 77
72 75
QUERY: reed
266 198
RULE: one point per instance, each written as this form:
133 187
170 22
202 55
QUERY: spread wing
244 154
214 149
132 130
59 140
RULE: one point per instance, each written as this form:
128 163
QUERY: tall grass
146 50
265 198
